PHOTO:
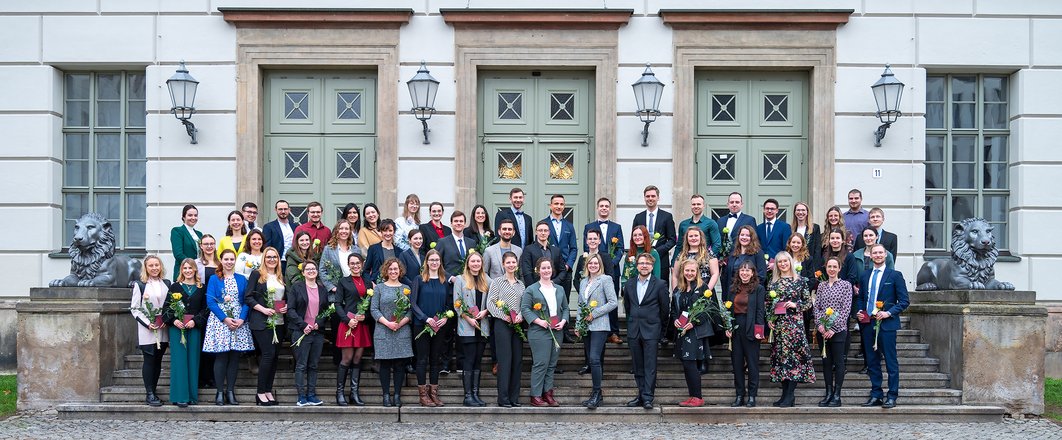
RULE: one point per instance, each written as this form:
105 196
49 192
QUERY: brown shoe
615 339
433 393
548 397
425 400
537 401
494 370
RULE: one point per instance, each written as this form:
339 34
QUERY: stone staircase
925 394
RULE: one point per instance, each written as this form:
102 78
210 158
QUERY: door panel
294 105
508 105
778 108
723 107
778 166
508 163
350 164
562 106
349 105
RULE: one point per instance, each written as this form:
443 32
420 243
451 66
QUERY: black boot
396 398
219 399
594 401
466 379
790 395
355 385
835 399
475 388
230 398
387 400
341 381
785 386
739 400
829 395
152 399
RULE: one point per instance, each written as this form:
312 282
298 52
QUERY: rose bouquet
401 305
152 314
363 306
177 307
469 311
430 327
726 315
692 316
273 320
323 315
726 244
484 242
878 305
552 320
826 322
612 246
582 327
512 319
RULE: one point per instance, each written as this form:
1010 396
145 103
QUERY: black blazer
664 223
645 319
682 301
886 238
756 313
412 265
255 295
430 236
374 258
531 254
451 256
298 300
814 241
194 304
520 238
348 297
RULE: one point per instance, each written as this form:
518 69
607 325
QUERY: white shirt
191 232
344 256
643 286
801 229
243 260
285 229
877 285
551 298
731 220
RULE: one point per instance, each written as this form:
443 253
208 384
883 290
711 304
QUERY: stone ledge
978 310
973 296
538 19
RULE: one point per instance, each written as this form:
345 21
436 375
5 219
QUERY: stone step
660 414
566 395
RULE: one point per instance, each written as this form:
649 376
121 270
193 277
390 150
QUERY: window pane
108 160
964 88
962 175
135 213
109 206
136 165
935 88
135 114
995 208
935 238
995 88
995 176
962 207
108 114
134 83
962 148
934 175
963 167
109 86
108 146
934 208
1000 231
75 162
74 206
995 116
963 115
77 114
935 148
77 86
934 115
995 149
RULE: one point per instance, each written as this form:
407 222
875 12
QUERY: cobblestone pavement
45 425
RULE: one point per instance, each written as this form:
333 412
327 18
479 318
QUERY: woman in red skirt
353 334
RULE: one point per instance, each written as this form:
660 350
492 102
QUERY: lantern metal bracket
879 134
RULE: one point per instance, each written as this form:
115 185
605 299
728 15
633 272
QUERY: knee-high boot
341 381
355 384
475 388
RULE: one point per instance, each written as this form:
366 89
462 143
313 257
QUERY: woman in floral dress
790 354
227 333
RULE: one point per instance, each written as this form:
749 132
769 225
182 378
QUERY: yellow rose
369 292
829 311
774 294
432 245
176 296
593 303
726 230
457 304
449 313
248 264
707 293
499 303
405 291
728 304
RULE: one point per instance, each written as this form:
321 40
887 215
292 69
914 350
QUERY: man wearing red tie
882 297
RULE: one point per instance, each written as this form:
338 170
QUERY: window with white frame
967 137
104 157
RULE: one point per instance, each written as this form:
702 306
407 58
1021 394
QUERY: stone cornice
756 19
538 19
315 18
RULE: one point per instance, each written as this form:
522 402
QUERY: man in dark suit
250 215
885 286
736 219
611 240
658 221
647 306
562 234
434 229
279 233
541 248
876 219
773 232
454 247
525 228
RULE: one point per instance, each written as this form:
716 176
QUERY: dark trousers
472 347
152 368
643 352
510 357
307 354
431 353
225 366
746 354
693 377
887 348
833 365
490 340
613 321
267 362
593 353
396 369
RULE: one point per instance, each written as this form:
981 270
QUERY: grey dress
386 343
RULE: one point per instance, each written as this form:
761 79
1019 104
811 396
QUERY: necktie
770 225
650 224
460 246
873 297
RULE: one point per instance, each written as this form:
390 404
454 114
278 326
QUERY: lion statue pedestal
972 262
92 259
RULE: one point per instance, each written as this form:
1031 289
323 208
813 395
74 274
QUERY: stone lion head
92 245
974 245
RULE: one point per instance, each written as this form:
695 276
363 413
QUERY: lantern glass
423 89
647 93
182 87
887 93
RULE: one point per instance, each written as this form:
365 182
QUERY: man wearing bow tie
611 240
525 228
736 219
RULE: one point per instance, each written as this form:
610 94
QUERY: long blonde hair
684 285
478 280
424 274
702 250
144 273
792 265
195 273
263 271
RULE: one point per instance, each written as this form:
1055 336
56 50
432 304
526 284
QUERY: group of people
436 292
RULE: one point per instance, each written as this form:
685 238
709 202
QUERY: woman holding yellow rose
392 338
503 302
470 291
431 299
545 307
747 298
352 335
597 295
832 304
790 355
188 290
693 323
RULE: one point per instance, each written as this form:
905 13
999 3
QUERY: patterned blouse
500 288
839 297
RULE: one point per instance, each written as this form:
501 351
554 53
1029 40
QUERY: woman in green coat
184 239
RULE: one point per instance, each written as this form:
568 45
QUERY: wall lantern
887 93
422 90
182 96
647 91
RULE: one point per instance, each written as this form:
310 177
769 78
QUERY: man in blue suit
562 234
773 232
733 221
885 286
610 231
279 233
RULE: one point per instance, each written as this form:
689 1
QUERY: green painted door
320 139
752 138
535 133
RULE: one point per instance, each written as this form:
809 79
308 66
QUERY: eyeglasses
309 269
250 212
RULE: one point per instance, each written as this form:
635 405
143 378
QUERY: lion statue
92 259
973 255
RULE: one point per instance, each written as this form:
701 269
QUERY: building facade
307 101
